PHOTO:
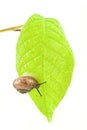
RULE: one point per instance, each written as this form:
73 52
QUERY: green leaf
43 51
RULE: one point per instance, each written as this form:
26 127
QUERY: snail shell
26 84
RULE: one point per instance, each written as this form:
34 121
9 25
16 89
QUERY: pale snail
26 84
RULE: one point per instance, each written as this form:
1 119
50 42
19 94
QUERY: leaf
43 51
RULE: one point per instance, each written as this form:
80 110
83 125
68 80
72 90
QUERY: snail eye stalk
39 85
38 91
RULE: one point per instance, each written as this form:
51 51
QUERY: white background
18 112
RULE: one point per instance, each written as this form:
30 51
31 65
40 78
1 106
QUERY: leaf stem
15 28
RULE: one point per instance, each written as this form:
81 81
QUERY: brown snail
26 84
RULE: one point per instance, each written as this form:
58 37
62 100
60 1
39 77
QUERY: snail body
26 84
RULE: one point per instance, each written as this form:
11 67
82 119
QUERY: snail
26 84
